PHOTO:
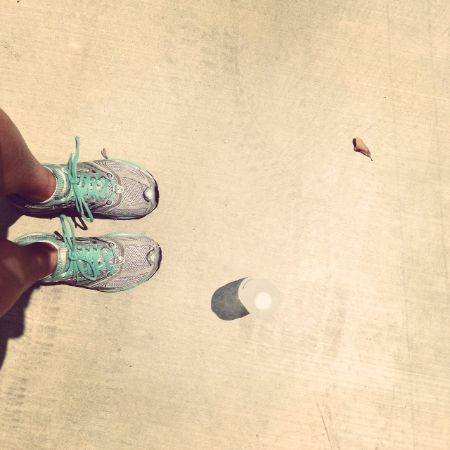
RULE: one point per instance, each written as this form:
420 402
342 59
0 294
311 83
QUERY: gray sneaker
108 188
109 263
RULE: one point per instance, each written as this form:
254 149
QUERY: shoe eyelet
109 202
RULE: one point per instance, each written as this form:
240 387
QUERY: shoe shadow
12 325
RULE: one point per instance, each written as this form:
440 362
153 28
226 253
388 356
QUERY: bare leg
20 268
20 172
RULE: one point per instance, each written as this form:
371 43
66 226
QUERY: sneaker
109 263
108 188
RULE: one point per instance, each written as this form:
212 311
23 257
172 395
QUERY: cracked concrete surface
244 111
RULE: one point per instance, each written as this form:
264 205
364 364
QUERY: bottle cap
260 297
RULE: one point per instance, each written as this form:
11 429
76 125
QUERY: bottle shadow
12 325
225 302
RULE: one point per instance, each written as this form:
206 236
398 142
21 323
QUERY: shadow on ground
12 325
225 302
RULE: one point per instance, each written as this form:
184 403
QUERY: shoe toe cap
154 257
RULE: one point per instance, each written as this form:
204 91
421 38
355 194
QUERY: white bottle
260 297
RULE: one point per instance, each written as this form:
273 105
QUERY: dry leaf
359 146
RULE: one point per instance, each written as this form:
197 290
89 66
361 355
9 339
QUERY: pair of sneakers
109 189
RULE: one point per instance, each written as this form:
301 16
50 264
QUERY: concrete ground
244 110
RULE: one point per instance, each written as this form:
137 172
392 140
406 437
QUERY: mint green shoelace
86 258
87 186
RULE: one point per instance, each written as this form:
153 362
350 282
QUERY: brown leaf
359 146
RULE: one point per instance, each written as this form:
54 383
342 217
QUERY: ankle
45 259
41 188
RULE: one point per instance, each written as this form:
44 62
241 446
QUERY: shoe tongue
62 186
63 260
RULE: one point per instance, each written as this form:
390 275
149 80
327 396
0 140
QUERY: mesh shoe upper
139 259
109 263
109 188
136 193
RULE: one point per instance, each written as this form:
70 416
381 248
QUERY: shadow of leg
8 216
12 325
